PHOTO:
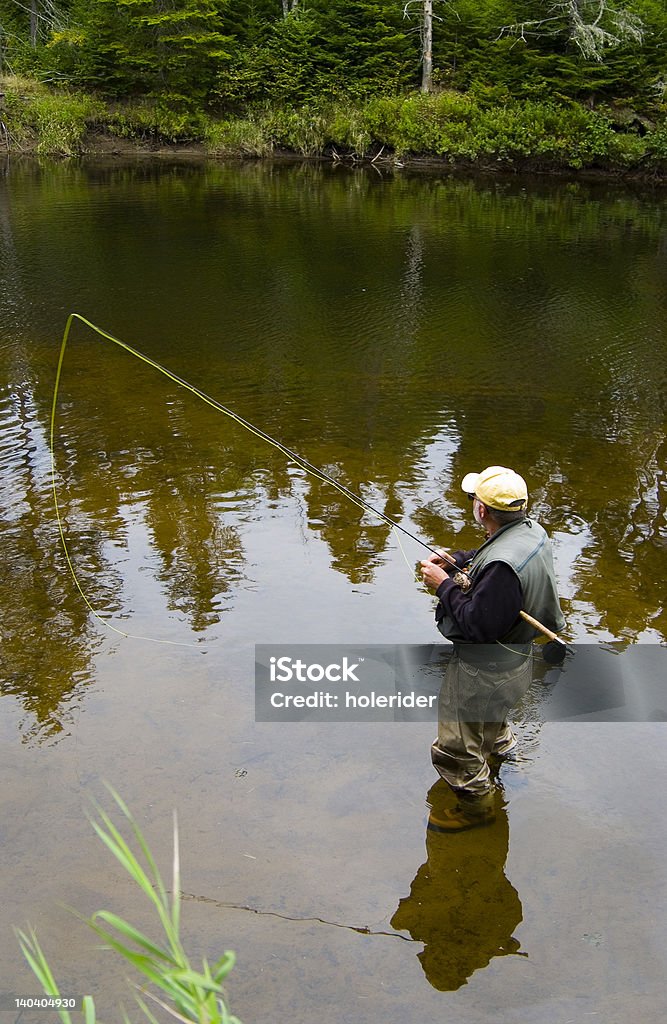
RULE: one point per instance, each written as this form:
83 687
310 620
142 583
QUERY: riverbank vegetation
544 83
185 993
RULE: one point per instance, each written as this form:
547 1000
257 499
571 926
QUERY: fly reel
462 580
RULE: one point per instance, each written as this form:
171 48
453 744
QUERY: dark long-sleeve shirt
486 612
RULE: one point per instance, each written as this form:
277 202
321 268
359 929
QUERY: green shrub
193 995
656 144
628 150
381 115
236 137
59 120
301 130
15 117
348 128
591 135
480 124
157 121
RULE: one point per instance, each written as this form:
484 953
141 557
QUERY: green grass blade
125 858
38 964
114 841
145 849
145 964
176 882
165 1006
89 1014
191 977
224 965
32 952
128 931
159 974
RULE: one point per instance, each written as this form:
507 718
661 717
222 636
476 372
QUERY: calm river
398 331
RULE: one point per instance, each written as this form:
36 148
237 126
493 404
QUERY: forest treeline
452 78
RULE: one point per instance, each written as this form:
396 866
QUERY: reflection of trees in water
46 640
138 453
612 475
356 538
362 321
104 490
201 557
461 904
479 316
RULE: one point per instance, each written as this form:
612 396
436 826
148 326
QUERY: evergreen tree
242 52
364 46
169 49
508 48
324 48
251 21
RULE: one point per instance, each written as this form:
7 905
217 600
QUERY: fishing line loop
291 455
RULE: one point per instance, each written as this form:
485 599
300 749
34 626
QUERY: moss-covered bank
452 127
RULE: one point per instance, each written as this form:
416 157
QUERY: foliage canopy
230 54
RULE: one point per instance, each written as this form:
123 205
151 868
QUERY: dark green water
399 332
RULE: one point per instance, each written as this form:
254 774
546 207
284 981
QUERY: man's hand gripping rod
462 579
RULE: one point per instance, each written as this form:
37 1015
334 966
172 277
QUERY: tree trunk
427 46
34 23
289 5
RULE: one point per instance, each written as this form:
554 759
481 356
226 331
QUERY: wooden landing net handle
536 624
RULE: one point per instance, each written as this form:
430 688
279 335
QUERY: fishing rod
293 456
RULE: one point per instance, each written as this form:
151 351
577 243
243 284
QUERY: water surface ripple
398 332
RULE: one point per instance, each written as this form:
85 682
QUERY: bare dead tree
426 34
593 26
427 46
43 13
425 29
34 22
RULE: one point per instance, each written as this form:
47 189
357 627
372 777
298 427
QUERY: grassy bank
460 128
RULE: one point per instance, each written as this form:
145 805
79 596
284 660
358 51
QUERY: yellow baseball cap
498 487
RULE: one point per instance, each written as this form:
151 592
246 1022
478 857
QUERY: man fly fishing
481 599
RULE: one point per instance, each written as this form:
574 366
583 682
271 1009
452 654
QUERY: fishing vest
526 548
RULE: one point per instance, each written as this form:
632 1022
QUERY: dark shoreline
103 146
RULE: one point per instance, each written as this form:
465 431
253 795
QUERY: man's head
498 494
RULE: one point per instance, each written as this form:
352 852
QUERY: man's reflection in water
461 905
